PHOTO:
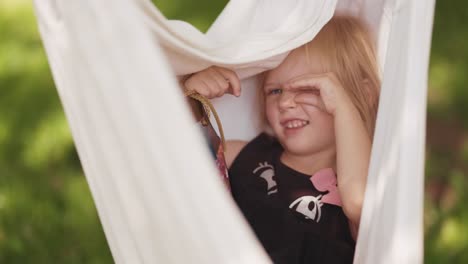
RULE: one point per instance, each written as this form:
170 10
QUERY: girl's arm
353 148
353 143
233 147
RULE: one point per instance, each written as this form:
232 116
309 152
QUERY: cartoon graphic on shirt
267 172
309 206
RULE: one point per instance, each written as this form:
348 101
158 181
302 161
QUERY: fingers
221 81
214 82
308 81
310 99
326 86
219 84
208 87
308 90
204 84
231 77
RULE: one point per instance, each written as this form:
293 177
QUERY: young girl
301 186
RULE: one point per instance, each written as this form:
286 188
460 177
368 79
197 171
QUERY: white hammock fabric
157 192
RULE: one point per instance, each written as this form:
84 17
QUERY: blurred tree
446 215
200 14
46 211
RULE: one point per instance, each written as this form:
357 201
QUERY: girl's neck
309 164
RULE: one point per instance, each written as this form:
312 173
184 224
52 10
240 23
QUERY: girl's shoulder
262 143
233 148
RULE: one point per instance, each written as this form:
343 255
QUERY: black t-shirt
296 217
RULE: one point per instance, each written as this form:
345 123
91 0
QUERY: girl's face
302 129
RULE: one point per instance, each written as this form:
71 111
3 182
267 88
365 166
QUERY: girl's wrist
343 103
345 107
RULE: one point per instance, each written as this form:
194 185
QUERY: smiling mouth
295 124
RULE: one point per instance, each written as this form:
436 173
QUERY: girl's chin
301 148
292 132
294 141
302 143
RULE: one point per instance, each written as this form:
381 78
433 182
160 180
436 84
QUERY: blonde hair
347 49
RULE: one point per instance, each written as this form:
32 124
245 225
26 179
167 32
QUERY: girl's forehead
297 63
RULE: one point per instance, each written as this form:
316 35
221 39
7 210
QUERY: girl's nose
287 100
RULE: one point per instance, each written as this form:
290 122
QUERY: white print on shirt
303 206
267 172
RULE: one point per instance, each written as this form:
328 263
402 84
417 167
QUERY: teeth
296 123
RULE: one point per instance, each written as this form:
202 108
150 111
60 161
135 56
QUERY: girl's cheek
269 106
271 113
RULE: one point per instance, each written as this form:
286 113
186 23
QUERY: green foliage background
46 210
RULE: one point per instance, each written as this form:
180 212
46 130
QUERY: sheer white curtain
157 193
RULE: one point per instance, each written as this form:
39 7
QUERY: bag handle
209 108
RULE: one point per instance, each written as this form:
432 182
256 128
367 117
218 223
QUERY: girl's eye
275 91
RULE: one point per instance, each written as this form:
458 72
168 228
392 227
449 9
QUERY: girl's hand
214 82
322 90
